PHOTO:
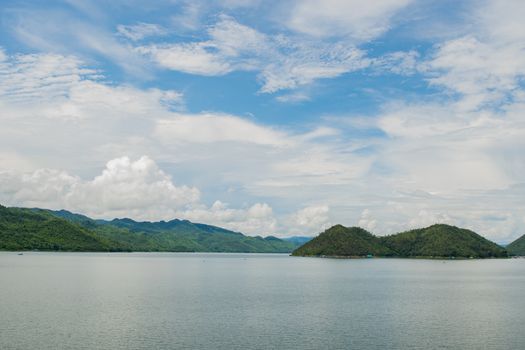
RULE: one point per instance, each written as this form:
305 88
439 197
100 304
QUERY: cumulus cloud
310 220
256 220
124 188
129 188
137 188
367 221
43 187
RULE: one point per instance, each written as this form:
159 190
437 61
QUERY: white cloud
425 218
352 18
37 30
482 66
125 188
308 62
310 220
282 63
43 187
399 62
234 39
367 221
140 30
193 58
51 106
256 220
211 128
428 139
60 87
295 97
138 188
40 77
239 3
484 73
189 17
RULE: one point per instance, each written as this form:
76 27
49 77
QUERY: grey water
255 301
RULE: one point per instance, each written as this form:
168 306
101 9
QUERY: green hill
23 229
435 241
343 241
517 247
442 241
40 229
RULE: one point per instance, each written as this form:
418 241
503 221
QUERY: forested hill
25 229
517 247
442 241
344 241
437 241
40 229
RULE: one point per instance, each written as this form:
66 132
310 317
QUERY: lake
257 301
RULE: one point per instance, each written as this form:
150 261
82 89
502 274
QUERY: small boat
20 253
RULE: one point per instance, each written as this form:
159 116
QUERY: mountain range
42 229
49 230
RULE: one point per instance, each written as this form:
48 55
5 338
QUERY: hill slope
434 241
343 241
517 247
23 229
27 229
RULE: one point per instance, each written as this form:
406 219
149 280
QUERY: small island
436 241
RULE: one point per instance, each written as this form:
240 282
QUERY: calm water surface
252 301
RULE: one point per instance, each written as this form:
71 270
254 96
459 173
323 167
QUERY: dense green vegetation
23 229
344 241
442 241
39 229
435 241
517 247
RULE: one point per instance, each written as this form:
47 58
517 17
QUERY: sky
267 117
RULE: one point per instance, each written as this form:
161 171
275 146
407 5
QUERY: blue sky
267 117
